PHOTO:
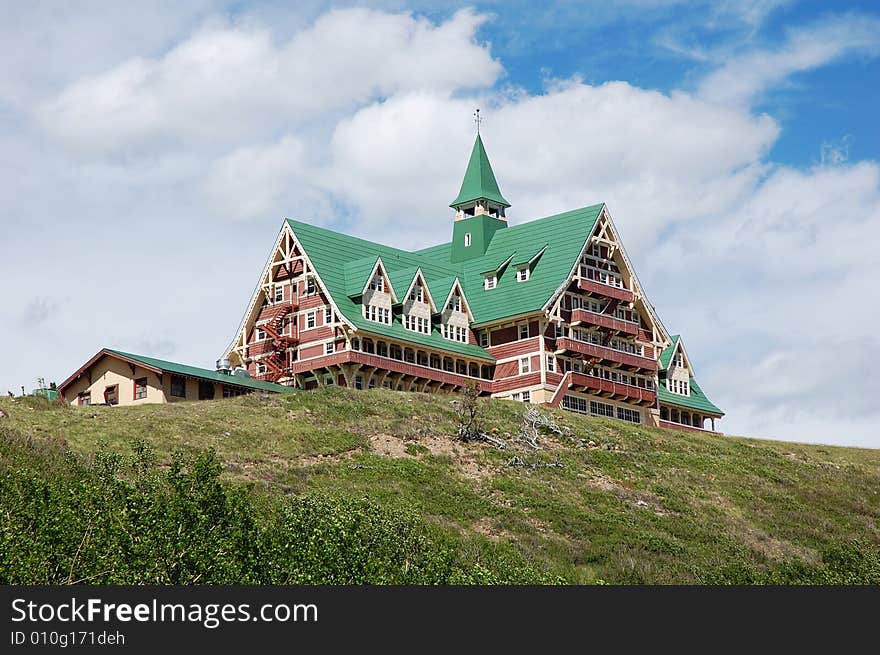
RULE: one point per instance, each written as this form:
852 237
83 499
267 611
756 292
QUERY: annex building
550 311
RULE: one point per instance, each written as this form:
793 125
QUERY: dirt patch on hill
638 498
465 461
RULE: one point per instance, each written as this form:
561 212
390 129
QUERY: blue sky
151 151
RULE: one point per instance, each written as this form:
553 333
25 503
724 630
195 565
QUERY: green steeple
479 180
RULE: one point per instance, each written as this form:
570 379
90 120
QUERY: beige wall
109 371
192 389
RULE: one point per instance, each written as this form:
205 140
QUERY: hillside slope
609 502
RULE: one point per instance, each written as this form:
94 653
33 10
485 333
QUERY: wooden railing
606 290
603 320
602 352
616 389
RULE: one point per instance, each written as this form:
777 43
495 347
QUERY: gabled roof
479 180
456 285
164 366
666 355
417 274
697 400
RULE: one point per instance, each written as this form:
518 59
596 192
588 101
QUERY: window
467 240
525 365
279 293
206 390
601 409
631 415
377 283
524 331
328 315
527 396
455 333
84 398
311 319
551 363
490 282
140 388
111 394
455 303
311 287
417 324
678 360
515 396
484 338
329 348
261 368
522 274
377 314
417 294
260 334
178 386
232 392
358 381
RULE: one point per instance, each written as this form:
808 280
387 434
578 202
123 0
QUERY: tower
479 207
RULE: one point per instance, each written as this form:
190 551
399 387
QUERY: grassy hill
608 502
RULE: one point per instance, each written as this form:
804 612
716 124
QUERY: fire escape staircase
277 364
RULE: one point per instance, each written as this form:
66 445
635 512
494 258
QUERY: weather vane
477 119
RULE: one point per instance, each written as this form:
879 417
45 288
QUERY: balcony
591 286
612 389
392 365
579 316
564 344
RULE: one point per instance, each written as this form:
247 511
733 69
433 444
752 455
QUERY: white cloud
229 83
744 77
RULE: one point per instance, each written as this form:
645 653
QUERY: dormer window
678 360
680 387
417 294
377 314
455 333
455 303
467 240
417 324
490 282
377 283
522 274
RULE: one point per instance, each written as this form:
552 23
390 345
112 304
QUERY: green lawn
612 502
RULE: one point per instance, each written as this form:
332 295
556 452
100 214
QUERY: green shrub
122 520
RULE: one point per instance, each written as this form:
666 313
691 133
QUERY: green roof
343 262
565 235
333 255
666 355
697 400
479 180
204 373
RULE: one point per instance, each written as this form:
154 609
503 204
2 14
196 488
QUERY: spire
479 180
